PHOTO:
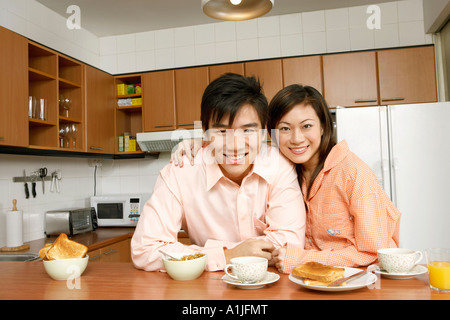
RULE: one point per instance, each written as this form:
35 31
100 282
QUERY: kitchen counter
93 240
113 281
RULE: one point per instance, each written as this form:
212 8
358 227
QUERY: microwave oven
70 221
119 210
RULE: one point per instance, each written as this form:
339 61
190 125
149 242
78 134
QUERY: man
240 198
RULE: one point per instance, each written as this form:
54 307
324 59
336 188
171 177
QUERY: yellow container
136 101
120 89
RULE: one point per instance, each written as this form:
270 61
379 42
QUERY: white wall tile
410 10
291 45
362 39
291 24
184 56
108 45
338 40
164 58
268 27
145 60
126 43
314 42
247 49
389 12
184 36
411 33
204 33
126 62
225 31
313 21
247 29
387 36
269 47
226 51
109 63
336 19
205 54
164 39
145 41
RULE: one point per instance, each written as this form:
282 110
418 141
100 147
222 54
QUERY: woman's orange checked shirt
349 216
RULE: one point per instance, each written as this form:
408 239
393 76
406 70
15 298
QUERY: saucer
270 278
417 270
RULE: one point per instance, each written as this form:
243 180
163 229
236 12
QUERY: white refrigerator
408 148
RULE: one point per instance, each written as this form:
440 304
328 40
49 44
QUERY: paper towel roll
14 224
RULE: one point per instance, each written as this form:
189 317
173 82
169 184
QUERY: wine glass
62 134
67 133
74 133
66 104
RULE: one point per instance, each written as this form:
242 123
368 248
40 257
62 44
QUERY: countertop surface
122 281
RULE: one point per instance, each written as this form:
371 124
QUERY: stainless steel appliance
120 210
70 221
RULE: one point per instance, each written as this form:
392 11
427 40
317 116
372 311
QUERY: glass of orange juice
438 260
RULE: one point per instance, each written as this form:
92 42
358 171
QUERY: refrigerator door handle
394 160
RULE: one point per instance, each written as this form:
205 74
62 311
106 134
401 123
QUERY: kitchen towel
14 225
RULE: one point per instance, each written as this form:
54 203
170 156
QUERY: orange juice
439 274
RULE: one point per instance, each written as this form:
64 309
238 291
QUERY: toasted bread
64 248
43 251
320 283
318 272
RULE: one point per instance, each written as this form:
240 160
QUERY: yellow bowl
63 269
185 270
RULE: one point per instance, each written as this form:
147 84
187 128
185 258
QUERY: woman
349 216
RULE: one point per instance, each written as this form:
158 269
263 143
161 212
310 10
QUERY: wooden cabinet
218 70
407 75
305 71
270 74
159 100
116 252
100 104
13 89
128 119
350 79
190 83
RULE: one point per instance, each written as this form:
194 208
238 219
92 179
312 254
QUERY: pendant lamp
236 10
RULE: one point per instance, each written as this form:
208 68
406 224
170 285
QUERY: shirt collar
263 166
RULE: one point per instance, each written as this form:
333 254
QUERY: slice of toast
64 248
318 272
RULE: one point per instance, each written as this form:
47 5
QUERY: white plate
270 278
417 270
358 283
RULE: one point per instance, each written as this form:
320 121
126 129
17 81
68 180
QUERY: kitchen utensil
168 255
43 174
14 205
52 185
27 191
352 277
33 184
58 178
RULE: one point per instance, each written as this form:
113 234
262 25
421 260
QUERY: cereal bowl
63 269
185 269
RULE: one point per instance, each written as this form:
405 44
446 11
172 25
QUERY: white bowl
185 270
63 269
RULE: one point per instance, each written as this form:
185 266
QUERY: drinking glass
74 133
438 260
67 133
67 104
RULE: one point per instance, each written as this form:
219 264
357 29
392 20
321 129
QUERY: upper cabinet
350 79
395 76
100 102
269 73
407 75
306 71
159 100
190 83
13 89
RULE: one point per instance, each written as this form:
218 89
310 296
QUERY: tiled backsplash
77 185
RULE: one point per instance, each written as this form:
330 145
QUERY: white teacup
247 269
397 260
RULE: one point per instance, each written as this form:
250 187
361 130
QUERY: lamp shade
235 10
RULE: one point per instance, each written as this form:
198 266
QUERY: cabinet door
99 111
159 100
13 89
350 79
269 73
305 71
218 70
407 75
189 87
116 252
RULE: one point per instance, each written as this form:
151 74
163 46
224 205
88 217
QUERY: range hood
165 141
